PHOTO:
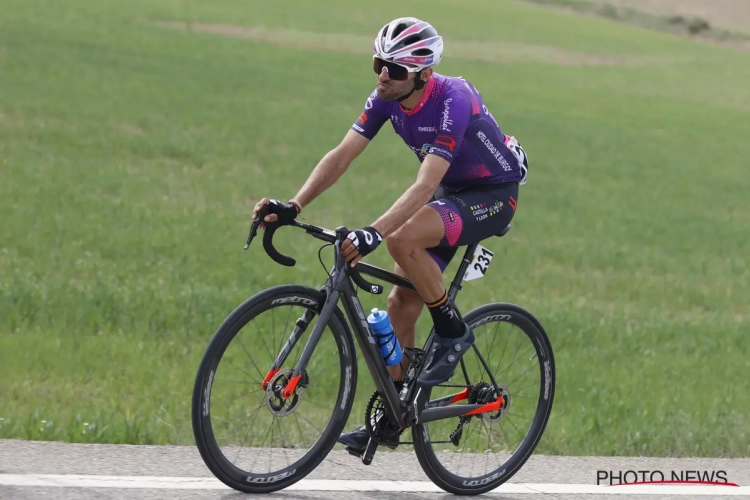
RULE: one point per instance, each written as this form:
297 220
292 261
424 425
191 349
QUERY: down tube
375 363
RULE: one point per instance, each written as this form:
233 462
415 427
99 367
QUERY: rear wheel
476 454
252 438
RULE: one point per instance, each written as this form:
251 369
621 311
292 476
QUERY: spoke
249 393
516 392
489 446
270 448
299 428
264 442
513 415
250 357
312 426
283 443
231 363
234 381
242 444
515 427
318 405
500 361
521 375
263 339
494 339
515 357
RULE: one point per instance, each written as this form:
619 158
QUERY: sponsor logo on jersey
427 129
433 150
494 151
447 122
446 140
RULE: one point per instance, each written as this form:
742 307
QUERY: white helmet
411 41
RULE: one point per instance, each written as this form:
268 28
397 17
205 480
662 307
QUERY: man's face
390 90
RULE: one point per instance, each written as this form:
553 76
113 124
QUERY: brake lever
256 223
353 272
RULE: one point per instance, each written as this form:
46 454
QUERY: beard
392 92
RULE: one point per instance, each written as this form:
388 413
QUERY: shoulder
452 95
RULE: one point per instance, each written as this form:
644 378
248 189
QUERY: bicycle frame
402 410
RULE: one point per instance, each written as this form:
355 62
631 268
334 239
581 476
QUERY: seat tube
465 263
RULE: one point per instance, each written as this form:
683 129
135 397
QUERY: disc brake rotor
277 404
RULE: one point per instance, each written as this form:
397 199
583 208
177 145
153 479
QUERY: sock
447 324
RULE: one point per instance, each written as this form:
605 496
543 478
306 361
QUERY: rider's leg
459 219
408 247
404 308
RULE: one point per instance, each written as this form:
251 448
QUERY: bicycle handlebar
317 232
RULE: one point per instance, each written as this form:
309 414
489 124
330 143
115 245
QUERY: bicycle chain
463 386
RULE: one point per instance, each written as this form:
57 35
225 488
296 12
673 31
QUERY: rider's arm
331 167
456 112
430 174
334 164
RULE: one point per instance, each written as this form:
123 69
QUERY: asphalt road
23 465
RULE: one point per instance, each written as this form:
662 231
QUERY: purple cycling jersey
452 122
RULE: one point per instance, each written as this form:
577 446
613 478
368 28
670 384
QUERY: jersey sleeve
372 118
453 120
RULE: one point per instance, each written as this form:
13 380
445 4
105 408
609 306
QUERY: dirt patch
360 44
128 129
733 15
722 22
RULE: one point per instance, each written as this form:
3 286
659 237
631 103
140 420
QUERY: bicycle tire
209 449
452 483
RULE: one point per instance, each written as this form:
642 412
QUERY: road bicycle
285 384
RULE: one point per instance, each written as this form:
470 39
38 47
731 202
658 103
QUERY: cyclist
466 188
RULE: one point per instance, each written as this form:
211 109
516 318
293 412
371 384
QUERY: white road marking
200 483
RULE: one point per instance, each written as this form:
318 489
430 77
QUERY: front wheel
251 437
476 454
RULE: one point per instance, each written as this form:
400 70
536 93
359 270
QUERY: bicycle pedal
354 453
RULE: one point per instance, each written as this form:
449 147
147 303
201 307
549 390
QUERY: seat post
458 279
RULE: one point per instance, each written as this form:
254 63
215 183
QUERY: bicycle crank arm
369 452
431 414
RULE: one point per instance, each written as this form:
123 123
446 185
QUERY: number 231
483 259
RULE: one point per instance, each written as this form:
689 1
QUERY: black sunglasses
395 71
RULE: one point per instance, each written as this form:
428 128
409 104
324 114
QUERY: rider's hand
359 243
278 211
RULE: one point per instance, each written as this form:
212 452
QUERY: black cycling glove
286 212
366 239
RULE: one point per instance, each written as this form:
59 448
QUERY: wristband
296 204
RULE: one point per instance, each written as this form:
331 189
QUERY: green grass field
131 154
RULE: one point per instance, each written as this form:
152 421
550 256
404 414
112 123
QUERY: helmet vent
422 52
411 39
401 27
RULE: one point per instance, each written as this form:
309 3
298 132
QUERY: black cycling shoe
357 440
443 356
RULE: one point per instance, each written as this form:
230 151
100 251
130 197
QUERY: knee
400 245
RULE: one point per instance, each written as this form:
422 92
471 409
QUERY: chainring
376 421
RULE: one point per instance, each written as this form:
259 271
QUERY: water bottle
390 349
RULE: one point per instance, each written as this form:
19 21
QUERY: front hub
277 404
